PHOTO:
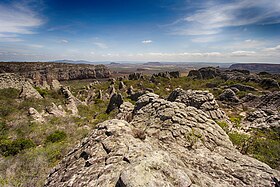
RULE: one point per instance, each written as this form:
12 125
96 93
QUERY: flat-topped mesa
48 71
166 143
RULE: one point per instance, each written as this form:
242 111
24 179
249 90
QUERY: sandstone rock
90 97
269 83
115 102
112 81
135 95
243 87
10 80
100 95
71 101
130 90
182 146
229 96
111 90
268 101
48 71
56 111
205 73
149 90
135 76
35 115
122 85
201 100
262 119
125 111
55 85
45 85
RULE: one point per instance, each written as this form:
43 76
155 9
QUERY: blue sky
140 30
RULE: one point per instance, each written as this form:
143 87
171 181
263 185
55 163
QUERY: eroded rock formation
47 71
167 143
10 80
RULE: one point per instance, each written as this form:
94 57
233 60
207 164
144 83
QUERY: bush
41 91
56 136
223 125
236 120
8 148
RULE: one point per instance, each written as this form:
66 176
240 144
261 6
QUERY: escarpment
48 71
170 142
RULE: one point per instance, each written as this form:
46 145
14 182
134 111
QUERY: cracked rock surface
167 143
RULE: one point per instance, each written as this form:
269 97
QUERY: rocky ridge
167 143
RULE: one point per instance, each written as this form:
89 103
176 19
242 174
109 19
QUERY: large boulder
229 96
35 115
202 100
115 102
166 144
55 110
269 83
71 101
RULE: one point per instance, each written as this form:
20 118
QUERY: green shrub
236 120
238 139
41 91
8 148
223 125
56 136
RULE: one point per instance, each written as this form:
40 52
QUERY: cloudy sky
140 30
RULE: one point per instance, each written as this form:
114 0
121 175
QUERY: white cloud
273 49
212 18
243 53
16 19
246 45
35 46
101 45
147 41
64 41
204 39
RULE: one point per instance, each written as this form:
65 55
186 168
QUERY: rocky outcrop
229 96
35 115
262 119
115 102
135 76
55 85
125 111
121 85
71 101
10 80
167 74
257 67
269 83
202 100
269 101
242 87
205 73
56 111
47 71
166 144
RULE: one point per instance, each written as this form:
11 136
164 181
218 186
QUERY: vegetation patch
11 148
56 136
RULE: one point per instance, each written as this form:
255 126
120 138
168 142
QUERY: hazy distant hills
257 67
